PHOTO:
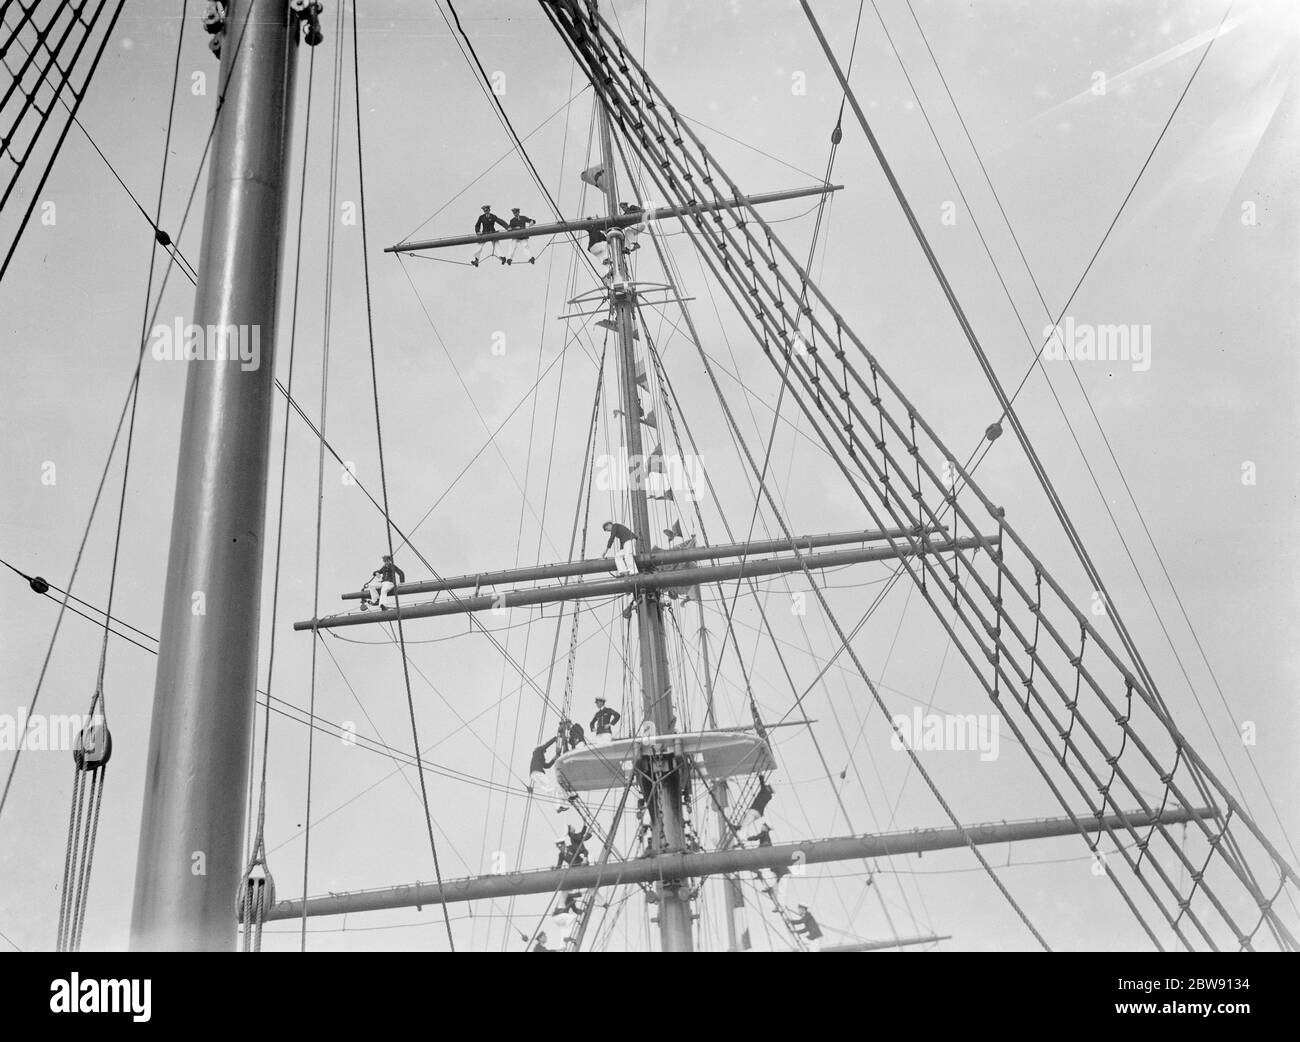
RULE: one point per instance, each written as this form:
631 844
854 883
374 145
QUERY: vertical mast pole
665 806
189 864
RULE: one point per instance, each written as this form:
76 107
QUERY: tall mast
665 805
189 863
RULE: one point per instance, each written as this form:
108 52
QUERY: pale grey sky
1217 292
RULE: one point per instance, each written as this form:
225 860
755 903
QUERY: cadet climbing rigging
538 767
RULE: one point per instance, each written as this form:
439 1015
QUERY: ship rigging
672 792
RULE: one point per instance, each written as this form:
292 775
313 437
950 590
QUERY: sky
485 471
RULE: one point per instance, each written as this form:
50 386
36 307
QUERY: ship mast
189 862
664 803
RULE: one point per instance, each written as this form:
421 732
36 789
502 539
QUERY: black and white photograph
787 476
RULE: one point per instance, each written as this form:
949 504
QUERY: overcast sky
1204 257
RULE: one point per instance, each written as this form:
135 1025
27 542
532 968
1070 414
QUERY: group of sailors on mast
384 579
516 249
568 737
597 239
571 849
801 921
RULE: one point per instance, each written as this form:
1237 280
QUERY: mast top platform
714 755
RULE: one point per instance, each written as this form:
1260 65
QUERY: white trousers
379 591
625 560
486 249
519 251
541 783
564 922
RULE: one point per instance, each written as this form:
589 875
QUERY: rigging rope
78 95
737 436
160 235
383 478
1106 441
486 86
1087 463
582 45
823 435
987 446
328 306
559 621
493 165
94 744
325 726
1008 411
761 222
258 893
94 507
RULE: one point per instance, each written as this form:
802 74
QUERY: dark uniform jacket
487 222
539 761
620 532
604 720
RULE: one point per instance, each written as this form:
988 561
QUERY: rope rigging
1036 351
328 727
634 100
160 235
326 329
737 438
1035 654
1008 411
485 85
584 477
383 479
14 123
113 442
563 107
94 744
257 894
731 833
